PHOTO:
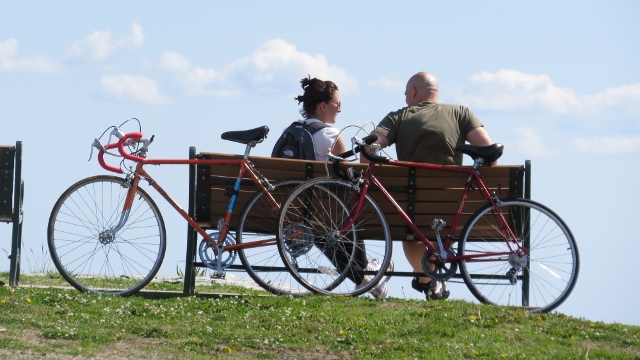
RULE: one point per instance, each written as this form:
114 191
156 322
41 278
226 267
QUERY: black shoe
435 290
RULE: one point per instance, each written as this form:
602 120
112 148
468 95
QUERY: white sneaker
379 291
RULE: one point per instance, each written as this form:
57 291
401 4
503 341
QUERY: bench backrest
7 163
423 194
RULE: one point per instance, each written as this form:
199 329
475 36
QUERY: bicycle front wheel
538 281
98 248
259 223
318 253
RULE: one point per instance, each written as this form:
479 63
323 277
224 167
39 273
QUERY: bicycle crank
209 257
435 268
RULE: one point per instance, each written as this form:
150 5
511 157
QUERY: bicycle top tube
250 138
480 154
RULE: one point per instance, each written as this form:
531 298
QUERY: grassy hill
53 322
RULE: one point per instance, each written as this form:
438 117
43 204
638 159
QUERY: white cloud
196 81
530 143
9 61
511 90
280 59
101 44
138 88
174 62
389 83
275 64
625 96
608 144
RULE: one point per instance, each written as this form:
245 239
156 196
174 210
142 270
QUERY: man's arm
479 136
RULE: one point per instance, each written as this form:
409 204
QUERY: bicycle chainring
209 257
442 271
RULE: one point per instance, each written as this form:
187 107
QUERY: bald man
427 131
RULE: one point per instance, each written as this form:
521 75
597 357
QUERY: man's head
422 86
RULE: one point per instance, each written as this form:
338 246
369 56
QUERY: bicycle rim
312 249
539 282
91 257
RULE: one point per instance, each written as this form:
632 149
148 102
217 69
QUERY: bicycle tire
258 222
540 281
120 264
316 210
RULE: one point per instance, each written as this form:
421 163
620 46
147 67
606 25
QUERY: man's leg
414 251
434 290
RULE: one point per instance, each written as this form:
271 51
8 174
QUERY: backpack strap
314 126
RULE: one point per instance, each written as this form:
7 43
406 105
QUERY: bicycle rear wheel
89 254
539 281
312 248
259 222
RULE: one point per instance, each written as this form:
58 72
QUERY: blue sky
556 83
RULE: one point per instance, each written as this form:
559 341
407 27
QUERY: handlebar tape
373 158
368 140
106 166
136 136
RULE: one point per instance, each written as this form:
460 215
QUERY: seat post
247 150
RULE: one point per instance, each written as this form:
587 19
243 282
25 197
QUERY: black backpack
296 142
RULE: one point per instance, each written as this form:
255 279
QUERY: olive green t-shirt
429 132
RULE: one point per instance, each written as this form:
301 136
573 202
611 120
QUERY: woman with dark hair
321 102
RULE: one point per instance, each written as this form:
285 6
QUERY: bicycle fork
109 235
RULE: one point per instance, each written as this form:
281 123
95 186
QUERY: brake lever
117 133
98 145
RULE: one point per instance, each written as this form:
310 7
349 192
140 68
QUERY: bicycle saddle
247 136
489 153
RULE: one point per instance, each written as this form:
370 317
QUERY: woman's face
332 108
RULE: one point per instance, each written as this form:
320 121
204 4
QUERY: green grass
66 323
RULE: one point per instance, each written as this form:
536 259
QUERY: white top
323 140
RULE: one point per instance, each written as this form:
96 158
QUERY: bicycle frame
244 165
474 181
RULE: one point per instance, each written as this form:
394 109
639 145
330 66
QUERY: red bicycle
107 235
510 252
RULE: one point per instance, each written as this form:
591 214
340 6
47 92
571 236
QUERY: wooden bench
11 195
423 194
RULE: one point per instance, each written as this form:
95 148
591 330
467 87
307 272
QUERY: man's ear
414 92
